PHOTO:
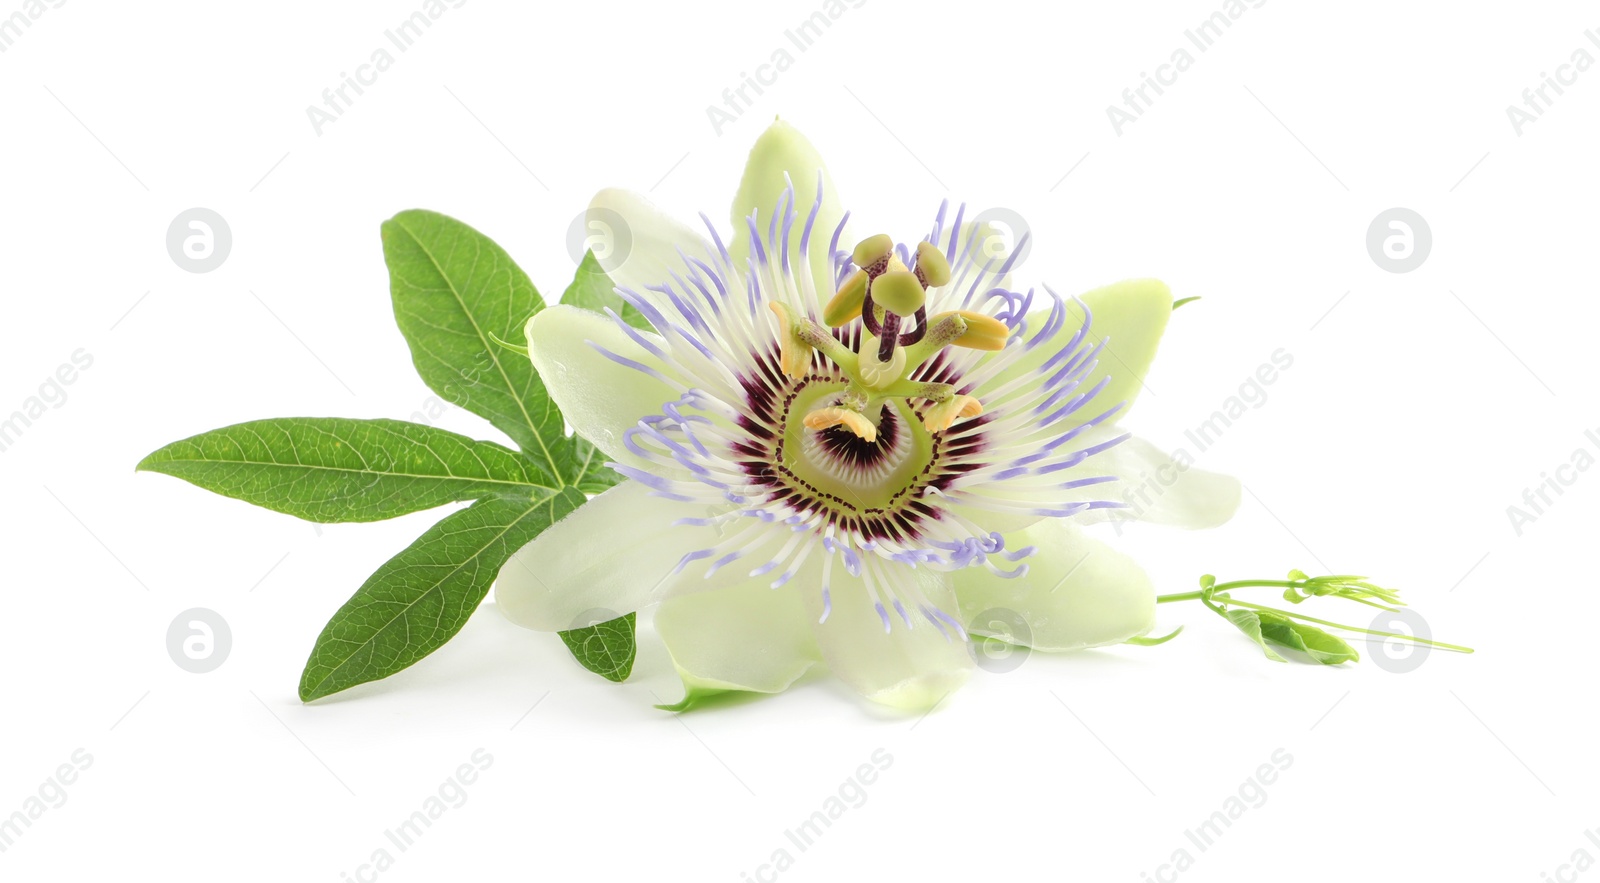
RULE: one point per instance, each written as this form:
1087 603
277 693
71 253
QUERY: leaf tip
153 461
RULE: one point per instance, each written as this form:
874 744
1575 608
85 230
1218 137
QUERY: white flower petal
748 637
639 241
1156 487
1151 485
1133 314
600 397
1078 592
911 669
616 553
782 150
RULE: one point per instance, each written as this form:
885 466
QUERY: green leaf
1183 300
1308 639
592 289
454 292
605 648
331 469
421 597
1248 622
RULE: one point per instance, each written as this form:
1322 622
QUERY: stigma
897 336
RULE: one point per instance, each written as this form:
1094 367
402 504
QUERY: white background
1418 408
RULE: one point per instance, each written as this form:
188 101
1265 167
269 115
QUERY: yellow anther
982 332
845 306
899 292
931 265
942 415
872 250
794 354
855 421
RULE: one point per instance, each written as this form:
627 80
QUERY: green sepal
1248 622
695 696
1142 641
1321 646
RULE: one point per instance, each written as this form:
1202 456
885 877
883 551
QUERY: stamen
845 305
976 330
855 421
794 354
942 415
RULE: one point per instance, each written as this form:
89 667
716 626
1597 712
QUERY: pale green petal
1156 486
749 637
998 522
782 149
616 553
1078 592
636 243
601 398
910 669
1133 315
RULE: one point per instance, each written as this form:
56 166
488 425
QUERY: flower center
836 478
895 338
861 472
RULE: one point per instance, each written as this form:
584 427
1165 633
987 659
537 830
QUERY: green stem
1181 596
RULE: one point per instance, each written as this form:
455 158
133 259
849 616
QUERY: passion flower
842 450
